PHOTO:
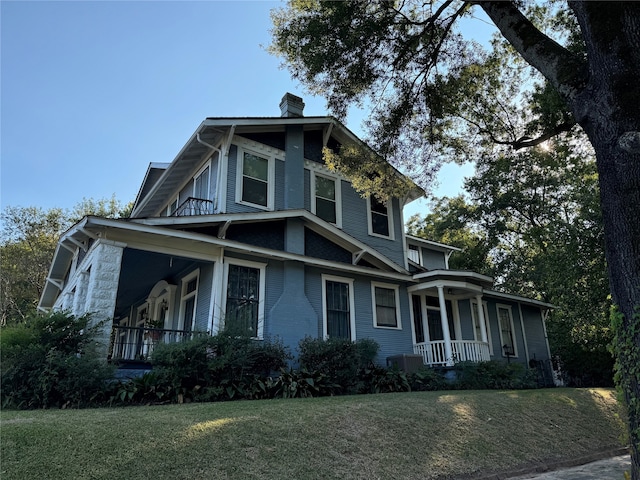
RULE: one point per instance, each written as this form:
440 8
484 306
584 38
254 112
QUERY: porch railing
137 343
194 206
433 353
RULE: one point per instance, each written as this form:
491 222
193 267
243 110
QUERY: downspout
446 259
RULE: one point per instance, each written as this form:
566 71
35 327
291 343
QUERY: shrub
218 367
340 360
301 383
376 379
493 375
51 361
427 379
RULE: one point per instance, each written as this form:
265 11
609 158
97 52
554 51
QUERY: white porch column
483 326
448 351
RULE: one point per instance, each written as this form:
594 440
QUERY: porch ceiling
141 270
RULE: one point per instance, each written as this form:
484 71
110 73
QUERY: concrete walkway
607 469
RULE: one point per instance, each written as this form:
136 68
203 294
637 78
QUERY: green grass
401 436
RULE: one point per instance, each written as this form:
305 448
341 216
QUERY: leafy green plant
51 361
301 384
376 379
340 360
493 375
427 379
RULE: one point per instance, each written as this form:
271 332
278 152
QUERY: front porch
434 353
136 344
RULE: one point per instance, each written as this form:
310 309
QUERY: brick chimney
291 106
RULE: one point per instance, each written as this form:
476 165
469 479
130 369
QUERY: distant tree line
27 242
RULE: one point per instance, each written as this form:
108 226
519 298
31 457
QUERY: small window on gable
386 308
379 218
255 178
173 206
201 184
414 254
325 202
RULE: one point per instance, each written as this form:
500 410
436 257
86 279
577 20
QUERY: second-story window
255 177
414 254
201 184
379 218
326 199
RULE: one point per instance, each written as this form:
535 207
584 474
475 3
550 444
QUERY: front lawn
390 436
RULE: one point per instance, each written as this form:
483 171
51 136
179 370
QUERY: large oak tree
434 93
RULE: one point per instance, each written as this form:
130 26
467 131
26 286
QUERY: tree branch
566 71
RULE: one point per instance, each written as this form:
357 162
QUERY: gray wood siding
355 223
203 315
432 259
535 333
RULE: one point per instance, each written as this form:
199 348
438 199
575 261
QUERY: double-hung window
386 308
326 198
201 184
245 289
339 311
255 178
380 221
507 336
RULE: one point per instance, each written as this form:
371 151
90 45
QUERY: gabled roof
212 134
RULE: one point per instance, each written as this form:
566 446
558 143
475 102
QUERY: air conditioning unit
406 362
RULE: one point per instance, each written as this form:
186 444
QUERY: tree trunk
608 109
603 92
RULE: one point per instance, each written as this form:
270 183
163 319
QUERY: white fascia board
519 299
229 245
446 283
167 172
460 275
432 244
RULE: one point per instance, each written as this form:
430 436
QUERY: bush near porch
51 362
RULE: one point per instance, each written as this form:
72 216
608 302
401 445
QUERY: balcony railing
137 343
194 206
433 353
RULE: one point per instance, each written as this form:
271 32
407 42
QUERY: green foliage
338 359
218 367
427 379
301 384
493 375
50 361
27 244
626 347
376 379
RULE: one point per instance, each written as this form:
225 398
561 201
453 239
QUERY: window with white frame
476 324
386 305
507 335
339 310
245 289
201 183
173 206
413 253
326 198
255 180
380 222
188 299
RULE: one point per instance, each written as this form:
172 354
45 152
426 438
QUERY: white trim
313 173
513 331
396 290
262 267
524 334
352 308
199 172
271 174
389 206
184 281
474 319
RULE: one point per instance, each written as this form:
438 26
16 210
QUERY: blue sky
91 92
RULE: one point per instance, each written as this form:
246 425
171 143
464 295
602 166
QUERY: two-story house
247 229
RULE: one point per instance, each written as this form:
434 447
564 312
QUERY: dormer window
255 180
380 223
414 254
325 202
